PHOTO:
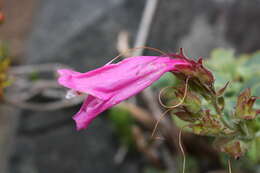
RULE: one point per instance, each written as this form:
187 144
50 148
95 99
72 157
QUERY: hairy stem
218 110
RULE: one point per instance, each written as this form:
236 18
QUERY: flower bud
190 108
191 101
233 147
185 116
197 74
195 69
244 108
209 124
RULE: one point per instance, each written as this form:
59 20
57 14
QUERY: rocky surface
8 120
57 147
83 35
82 32
199 26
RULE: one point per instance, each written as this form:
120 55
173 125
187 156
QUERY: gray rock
8 123
200 26
243 25
83 35
62 149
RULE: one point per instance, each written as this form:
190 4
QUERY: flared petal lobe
113 83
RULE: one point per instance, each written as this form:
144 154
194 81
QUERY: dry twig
23 89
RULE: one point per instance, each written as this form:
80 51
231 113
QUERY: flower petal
113 83
127 77
90 109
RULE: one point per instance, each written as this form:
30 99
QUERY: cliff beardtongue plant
113 83
201 106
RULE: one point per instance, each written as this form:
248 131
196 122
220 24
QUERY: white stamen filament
72 94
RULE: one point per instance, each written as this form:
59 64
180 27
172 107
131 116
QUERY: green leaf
223 61
254 151
168 79
122 122
254 60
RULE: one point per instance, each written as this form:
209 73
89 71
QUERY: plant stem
218 110
215 104
229 166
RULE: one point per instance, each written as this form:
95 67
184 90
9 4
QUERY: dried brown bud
195 70
244 107
233 147
200 77
209 125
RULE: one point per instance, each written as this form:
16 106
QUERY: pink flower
113 83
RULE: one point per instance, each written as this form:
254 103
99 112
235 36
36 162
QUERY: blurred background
84 35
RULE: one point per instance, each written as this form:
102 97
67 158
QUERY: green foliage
168 79
34 76
122 122
152 170
4 64
254 152
229 113
242 72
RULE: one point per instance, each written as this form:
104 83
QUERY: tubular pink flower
113 83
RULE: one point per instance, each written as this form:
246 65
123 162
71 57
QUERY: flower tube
113 83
